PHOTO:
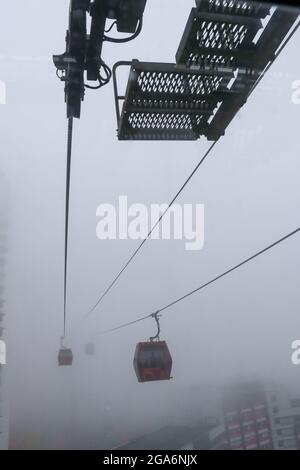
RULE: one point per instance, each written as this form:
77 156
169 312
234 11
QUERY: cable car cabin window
152 357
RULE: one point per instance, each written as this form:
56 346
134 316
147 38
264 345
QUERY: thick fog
241 327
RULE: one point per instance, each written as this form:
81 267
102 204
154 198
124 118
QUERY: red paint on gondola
65 357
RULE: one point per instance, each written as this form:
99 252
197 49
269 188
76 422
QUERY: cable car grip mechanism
156 317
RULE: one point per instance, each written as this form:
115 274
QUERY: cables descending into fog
194 291
68 177
152 229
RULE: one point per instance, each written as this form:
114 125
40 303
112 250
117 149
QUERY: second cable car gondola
65 357
90 349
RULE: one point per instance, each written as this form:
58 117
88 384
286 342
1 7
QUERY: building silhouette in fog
256 416
250 416
3 244
246 417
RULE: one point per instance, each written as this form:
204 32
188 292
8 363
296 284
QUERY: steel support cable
152 228
68 175
206 284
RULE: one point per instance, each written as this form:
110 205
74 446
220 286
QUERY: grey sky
242 326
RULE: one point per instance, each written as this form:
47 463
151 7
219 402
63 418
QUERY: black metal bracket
83 51
156 317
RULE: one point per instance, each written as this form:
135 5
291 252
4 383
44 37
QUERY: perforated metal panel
218 38
224 51
234 7
233 33
166 101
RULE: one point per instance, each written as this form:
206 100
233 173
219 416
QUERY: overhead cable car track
203 286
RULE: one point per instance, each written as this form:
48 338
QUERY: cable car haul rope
152 229
206 284
65 355
68 179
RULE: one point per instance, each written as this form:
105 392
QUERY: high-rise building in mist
254 415
284 412
258 415
246 417
3 244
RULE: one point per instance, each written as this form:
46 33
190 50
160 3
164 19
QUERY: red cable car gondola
65 355
152 359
